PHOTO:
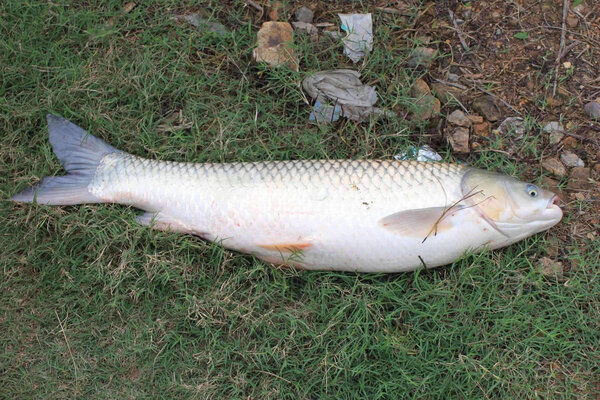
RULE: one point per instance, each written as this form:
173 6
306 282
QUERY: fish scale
320 204
348 215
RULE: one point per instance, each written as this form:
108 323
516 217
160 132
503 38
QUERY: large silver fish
371 216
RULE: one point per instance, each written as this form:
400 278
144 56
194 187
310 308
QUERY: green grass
94 306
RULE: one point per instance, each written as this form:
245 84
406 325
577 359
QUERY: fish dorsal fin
420 222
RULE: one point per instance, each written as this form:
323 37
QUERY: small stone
453 77
514 126
570 142
552 101
555 137
551 268
567 64
572 21
420 88
487 107
579 196
593 109
554 166
304 14
203 24
459 118
426 107
476 119
571 160
305 27
554 244
459 139
553 126
445 93
482 129
551 185
276 8
421 57
580 178
275 45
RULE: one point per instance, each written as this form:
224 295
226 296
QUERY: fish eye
532 190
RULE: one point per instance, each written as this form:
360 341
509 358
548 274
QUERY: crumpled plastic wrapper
341 88
359 40
423 153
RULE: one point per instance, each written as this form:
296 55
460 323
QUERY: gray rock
459 118
580 177
203 24
446 93
556 137
553 126
487 107
554 166
304 14
593 109
459 139
421 57
571 160
513 126
551 268
305 27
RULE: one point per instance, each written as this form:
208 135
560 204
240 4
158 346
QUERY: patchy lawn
94 306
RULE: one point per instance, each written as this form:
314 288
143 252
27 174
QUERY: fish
382 216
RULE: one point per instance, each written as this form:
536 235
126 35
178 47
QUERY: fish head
514 208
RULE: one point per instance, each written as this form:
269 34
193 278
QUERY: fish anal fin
421 222
165 222
286 247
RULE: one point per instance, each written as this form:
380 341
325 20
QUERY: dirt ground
534 59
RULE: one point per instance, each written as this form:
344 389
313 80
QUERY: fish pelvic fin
80 154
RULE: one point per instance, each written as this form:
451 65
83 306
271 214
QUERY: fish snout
554 201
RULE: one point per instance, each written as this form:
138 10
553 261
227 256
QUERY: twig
567 49
389 10
457 85
68 346
256 6
562 44
458 31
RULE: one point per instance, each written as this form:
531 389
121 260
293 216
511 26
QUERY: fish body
350 215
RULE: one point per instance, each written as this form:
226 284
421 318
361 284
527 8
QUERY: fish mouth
553 211
555 201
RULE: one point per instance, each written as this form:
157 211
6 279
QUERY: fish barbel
348 215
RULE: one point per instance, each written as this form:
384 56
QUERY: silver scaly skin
369 215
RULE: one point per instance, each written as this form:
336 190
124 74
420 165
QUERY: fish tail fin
80 154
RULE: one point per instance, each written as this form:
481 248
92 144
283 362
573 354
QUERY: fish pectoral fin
421 222
286 247
163 222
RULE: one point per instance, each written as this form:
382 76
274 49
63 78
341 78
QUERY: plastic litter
341 93
359 40
325 113
423 153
